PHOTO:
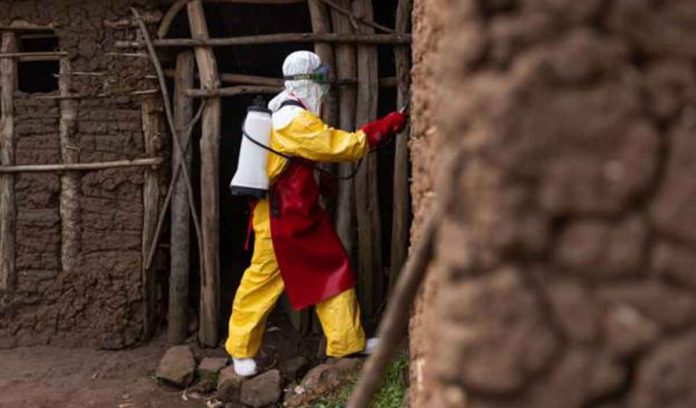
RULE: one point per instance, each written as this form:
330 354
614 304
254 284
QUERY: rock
294 367
212 364
262 390
229 385
177 367
608 375
322 379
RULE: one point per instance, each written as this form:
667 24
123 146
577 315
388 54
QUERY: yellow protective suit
262 284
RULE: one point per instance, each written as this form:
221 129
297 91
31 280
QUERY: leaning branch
170 121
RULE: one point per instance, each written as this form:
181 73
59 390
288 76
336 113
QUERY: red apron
311 258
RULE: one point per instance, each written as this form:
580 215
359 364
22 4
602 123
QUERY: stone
294 368
627 331
212 364
321 380
665 377
262 390
229 385
177 367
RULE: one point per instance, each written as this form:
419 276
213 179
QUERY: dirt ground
43 377
51 377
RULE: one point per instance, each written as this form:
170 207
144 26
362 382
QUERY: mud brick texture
99 303
564 270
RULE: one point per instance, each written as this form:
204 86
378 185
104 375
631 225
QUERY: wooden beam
8 213
35 56
401 207
40 168
153 135
210 150
265 39
180 245
232 91
371 273
345 69
69 181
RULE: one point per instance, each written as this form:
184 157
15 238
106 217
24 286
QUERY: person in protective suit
296 248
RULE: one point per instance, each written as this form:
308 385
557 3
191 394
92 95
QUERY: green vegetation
390 395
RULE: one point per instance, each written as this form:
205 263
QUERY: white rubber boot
244 367
370 346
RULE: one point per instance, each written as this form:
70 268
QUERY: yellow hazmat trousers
262 284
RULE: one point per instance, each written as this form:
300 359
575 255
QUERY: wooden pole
321 23
69 181
41 168
180 221
209 146
153 131
8 84
345 68
266 39
371 275
401 208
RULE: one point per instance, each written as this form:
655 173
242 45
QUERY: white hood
306 91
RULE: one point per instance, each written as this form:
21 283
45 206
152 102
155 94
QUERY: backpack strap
292 102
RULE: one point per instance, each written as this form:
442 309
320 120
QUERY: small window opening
38 75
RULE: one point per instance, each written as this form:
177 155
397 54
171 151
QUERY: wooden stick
232 91
8 215
179 248
42 168
172 128
345 69
401 208
395 320
265 39
210 153
146 92
69 181
347 12
370 265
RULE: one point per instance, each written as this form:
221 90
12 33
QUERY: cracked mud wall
565 268
99 303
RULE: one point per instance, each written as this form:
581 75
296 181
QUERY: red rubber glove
379 131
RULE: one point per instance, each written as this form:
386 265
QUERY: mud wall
100 302
565 263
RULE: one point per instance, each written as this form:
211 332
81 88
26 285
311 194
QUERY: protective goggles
321 75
